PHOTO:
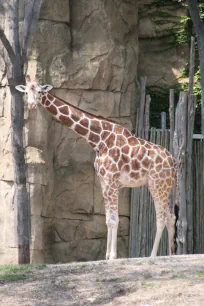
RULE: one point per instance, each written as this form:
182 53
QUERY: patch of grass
83 266
164 272
10 273
147 275
149 285
200 273
111 279
179 275
12 277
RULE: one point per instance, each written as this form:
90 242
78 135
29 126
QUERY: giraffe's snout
32 106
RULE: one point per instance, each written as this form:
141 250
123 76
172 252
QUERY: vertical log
171 116
189 181
143 81
147 108
179 152
136 218
163 120
191 67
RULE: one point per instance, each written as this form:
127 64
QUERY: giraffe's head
32 89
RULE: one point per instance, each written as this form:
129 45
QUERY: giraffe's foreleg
109 235
112 220
113 224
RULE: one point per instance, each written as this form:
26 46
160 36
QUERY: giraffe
122 160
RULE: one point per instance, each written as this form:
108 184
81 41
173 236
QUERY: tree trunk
21 198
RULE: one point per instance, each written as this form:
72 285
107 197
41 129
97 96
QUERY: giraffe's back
129 161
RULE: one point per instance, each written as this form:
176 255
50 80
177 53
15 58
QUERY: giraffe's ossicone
122 160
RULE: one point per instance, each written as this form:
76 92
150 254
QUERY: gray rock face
88 51
162 58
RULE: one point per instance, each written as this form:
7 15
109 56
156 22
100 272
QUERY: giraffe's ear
21 88
45 88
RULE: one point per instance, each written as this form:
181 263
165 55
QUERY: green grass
200 273
147 275
179 275
9 273
111 279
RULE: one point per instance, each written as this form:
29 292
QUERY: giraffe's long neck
84 124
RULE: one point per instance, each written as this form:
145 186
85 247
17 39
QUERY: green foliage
182 36
201 6
10 273
163 2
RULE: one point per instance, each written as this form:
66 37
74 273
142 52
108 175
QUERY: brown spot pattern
95 126
58 102
132 141
110 141
127 133
107 125
64 110
118 129
81 130
120 141
126 149
125 159
43 100
135 165
104 135
53 110
50 97
134 151
66 120
94 138
115 154
84 122
145 163
75 117
126 168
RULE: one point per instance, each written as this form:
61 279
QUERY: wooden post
189 180
137 207
163 120
191 67
147 125
179 152
143 81
171 117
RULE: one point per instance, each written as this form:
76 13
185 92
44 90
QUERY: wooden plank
198 136
189 181
163 120
147 108
171 118
143 81
179 144
191 67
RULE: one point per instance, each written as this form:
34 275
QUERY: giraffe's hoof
107 256
112 256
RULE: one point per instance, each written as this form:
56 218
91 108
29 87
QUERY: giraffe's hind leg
160 193
170 224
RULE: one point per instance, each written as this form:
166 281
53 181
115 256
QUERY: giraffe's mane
93 115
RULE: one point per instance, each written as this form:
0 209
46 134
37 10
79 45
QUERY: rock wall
164 51
88 50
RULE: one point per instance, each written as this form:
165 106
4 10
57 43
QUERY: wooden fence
143 227
188 150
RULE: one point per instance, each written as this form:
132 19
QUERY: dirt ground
165 281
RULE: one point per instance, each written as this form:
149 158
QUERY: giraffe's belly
126 181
